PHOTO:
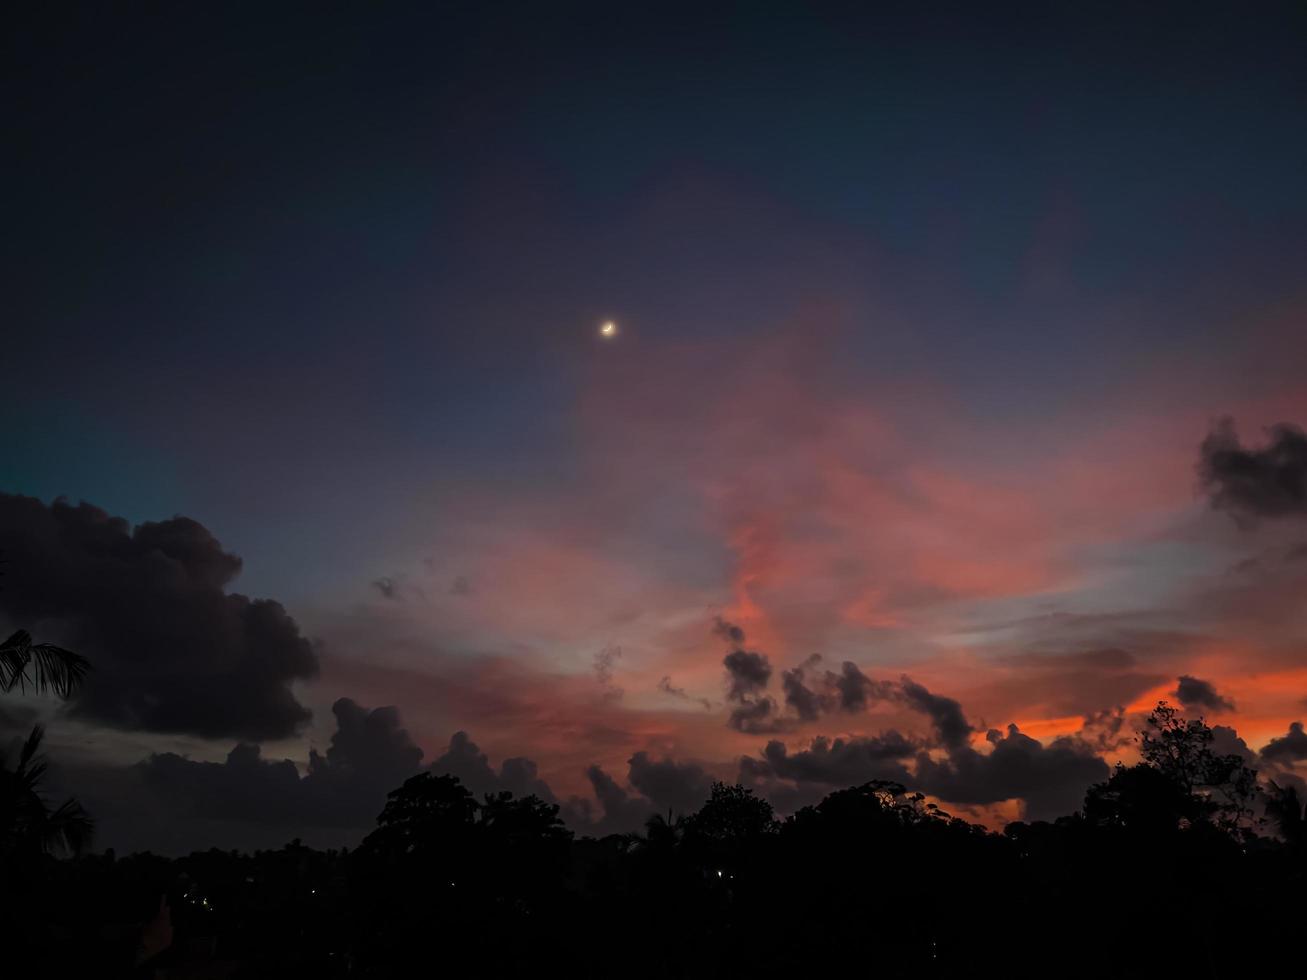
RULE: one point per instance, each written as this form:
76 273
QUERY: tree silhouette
27 823
44 666
1221 789
1285 808
732 813
1142 799
664 833
424 816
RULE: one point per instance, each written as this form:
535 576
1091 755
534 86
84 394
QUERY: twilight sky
929 319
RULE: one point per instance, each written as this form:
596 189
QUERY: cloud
681 787
665 786
1226 741
387 586
171 803
1255 483
1080 681
945 713
1049 780
728 631
841 762
747 676
171 650
370 747
619 812
808 697
758 716
1288 748
806 703
807 694
665 685
1195 693
1104 730
855 689
605 662
465 760
747 673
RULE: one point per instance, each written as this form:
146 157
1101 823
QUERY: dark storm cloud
1288 748
619 812
1195 693
666 786
369 755
171 650
246 787
747 676
1105 730
758 716
945 713
465 760
171 802
808 695
1048 780
855 689
785 795
1252 483
1051 781
1226 741
681 787
747 673
842 762
368 742
806 703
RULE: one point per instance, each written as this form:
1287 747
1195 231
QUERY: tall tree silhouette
27 822
1285 808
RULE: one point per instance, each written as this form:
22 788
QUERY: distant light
313 891
609 329
719 874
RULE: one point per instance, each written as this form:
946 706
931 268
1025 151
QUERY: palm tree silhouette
27 823
42 665
664 833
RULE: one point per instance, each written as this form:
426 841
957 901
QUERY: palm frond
43 665
69 828
14 654
25 817
31 746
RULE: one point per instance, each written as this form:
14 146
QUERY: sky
955 387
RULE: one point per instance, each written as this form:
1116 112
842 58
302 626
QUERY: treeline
1183 863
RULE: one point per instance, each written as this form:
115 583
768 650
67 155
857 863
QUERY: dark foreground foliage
1175 864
